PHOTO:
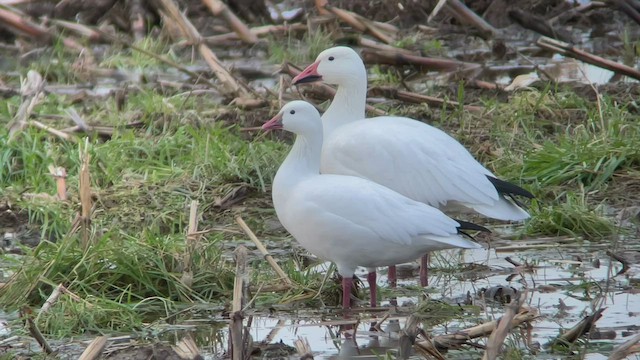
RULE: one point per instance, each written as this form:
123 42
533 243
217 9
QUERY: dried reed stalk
466 16
416 98
264 251
95 349
191 243
580 329
32 92
626 349
218 8
428 347
85 195
571 51
27 316
231 86
256 31
496 339
186 348
399 58
237 316
362 24
60 174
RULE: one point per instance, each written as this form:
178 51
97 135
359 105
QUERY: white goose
410 157
349 220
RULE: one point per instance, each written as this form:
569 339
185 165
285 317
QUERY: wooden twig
187 349
21 26
361 24
494 344
61 134
625 7
85 195
237 316
461 12
218 8
398 58
414 98
455 340
626 349
580 329
263 251
52 299
303 348
95 349
324 91
571 51
231 86
190 245
27 316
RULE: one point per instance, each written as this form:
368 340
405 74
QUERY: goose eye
292 112
331 58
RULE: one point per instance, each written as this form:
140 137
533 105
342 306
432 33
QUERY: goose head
337 66
298 117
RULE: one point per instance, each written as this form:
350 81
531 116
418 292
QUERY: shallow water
565 285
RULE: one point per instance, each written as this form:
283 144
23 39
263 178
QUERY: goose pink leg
424 268
371 279
347 282
392 276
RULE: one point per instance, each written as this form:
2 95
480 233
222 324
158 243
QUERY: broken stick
399 58
237 316
571 51
218 8
264 251
496 339
466 16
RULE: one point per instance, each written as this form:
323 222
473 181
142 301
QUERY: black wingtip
508 188
465 225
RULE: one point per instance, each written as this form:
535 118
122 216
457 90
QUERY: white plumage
407 156
345 219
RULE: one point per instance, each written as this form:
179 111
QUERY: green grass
299 51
